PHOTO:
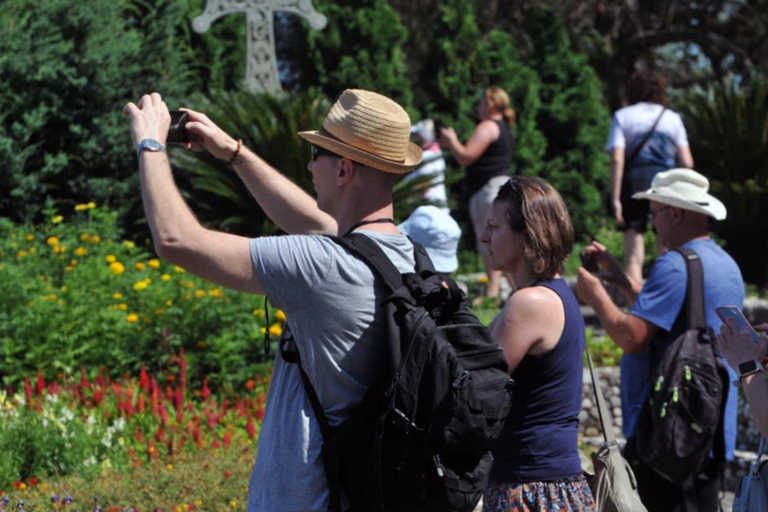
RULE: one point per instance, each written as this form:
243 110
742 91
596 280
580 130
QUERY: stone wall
591 433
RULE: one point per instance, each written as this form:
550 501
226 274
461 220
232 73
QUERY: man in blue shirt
679 210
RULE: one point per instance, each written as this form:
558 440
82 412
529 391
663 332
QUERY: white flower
90 461
119 424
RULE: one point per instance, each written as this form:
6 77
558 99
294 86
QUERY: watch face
749 367
153 145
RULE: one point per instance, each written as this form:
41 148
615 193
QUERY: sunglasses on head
317 151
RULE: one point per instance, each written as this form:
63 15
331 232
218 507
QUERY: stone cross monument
261 61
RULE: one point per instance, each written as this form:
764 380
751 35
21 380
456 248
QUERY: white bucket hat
438 233
686 189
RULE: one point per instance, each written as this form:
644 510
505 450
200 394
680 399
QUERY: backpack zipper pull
460 379
664 409
674 394
687 372
438 465
659 382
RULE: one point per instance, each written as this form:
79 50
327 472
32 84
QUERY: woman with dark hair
537 466
646 138
487 156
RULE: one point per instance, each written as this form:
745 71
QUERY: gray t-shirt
329 299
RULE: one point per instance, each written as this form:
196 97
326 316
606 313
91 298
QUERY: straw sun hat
686 189
370 129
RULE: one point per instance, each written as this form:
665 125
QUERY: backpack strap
372 255
694 296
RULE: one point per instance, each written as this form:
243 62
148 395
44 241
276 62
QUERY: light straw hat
686 189
370 129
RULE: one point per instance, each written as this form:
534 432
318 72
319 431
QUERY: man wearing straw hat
680 207
329 297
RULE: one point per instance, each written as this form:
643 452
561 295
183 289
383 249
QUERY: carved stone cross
261 60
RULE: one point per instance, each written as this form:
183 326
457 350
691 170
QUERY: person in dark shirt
487 156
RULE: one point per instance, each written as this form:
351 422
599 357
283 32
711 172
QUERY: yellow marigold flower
84 237
189 285
81 251
216 293
484 280
258 313
232 503
151 450
52 241
169 467
59 249
141 285
159 311
275 330
91 204
200 294
81 207
202 344
178 269
57 219
117 267
95 239
199 503
185 507
64 288
117 295
122 307
22 253
165 277
139 266
73 262
53 296
177 509
280 315
154 263
111 258
30 237
128 244
33 250
23 486
131 319
186 296
169 303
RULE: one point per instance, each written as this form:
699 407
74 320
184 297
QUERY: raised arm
178 236
287 204
485 133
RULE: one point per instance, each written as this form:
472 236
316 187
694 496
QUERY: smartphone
742 324
438 128
177 133
589 262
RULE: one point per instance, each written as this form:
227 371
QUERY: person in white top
646 138
432 164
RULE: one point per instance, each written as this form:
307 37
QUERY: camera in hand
439 125
177 133
588 261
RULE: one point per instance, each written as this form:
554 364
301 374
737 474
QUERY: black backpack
681 420
420 439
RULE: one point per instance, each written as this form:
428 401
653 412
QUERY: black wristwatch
748 368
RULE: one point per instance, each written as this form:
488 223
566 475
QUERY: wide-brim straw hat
370 129
686 189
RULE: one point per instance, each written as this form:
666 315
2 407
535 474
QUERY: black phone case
177 133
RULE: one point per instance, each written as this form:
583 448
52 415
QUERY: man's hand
738 347
150 119
206 135
588 287
610 268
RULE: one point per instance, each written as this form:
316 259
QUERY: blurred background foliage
66 70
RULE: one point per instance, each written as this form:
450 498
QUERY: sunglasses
317 151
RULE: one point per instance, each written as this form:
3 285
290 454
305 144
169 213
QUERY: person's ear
346 171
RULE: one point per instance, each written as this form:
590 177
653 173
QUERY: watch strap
150 145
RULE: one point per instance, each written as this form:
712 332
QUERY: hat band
325 133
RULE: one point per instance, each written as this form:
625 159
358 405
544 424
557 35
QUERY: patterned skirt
565 495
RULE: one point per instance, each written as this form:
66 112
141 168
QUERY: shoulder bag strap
694 297
637 150
605 416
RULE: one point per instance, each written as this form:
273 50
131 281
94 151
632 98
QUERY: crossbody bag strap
606 422
637 149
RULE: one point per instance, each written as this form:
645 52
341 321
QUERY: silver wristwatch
748 368
149 145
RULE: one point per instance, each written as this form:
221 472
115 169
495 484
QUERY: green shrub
72 294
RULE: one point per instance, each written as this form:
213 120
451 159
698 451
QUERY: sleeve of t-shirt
663 293
615 136
290 267
680 135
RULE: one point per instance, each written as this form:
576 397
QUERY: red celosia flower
250 428
33 481
227 474
40 384
227 439
206 391
144 378
250 385
17 484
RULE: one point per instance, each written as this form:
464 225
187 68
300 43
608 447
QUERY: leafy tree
65 72
728 130
360 48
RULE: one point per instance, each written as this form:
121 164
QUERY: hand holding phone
589 262
177 133
742 324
